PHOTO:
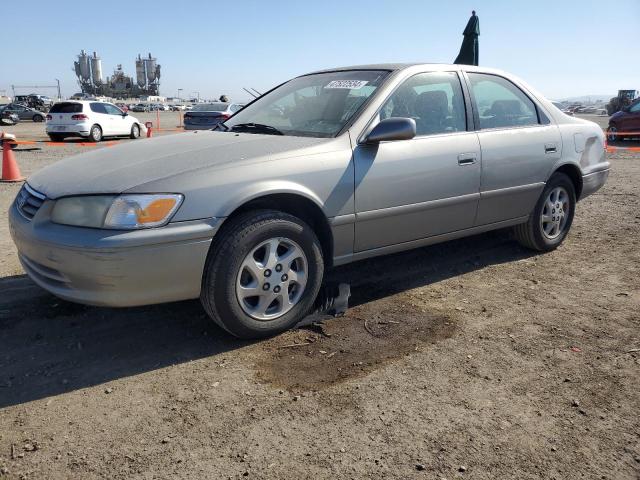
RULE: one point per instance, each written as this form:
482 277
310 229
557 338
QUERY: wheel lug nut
267 273
276 289
285 277
266 286
278 268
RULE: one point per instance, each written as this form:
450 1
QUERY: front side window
434 100
112 109
635 108
500 103
317 105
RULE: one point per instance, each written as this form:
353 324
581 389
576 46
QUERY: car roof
404 66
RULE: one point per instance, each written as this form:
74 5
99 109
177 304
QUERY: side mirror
124 114
395 128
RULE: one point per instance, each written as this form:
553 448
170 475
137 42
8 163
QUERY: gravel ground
470 359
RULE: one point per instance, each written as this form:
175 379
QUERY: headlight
123 212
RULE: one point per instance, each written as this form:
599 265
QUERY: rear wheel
95 134
38 118
135 131
551 219
262 274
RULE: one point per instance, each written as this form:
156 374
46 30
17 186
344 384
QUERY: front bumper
112 267
592 182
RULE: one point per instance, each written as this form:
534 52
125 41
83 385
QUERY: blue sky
562 47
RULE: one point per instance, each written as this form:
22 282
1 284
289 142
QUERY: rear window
211 107
66 107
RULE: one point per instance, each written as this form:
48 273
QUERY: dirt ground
470 359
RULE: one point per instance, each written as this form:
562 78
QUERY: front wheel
262 275
551 219
38 118
612 134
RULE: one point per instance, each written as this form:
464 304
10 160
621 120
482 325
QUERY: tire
540 235
612 134
246 240
135 131
38 118
95 134
56 138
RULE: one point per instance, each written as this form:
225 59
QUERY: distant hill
587 98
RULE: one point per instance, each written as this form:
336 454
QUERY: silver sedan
328 168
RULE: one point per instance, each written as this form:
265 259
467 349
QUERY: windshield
211 107
317 105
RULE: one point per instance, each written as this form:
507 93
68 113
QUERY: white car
93 120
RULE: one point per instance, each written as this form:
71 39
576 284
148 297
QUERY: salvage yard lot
470 359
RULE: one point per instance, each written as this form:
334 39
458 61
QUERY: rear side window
500 103
66 107
98 108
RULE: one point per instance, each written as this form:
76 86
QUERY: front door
519 148
631 119
411 189
120 123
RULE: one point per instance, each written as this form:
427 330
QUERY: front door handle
466 159
550 148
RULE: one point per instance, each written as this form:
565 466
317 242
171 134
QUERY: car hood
113 170
616 116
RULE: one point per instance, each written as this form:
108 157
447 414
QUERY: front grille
29 201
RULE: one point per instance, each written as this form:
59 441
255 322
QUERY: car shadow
50 346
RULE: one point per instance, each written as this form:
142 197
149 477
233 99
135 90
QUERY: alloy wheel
555 213
272 278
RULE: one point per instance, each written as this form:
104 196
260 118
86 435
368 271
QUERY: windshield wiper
257 128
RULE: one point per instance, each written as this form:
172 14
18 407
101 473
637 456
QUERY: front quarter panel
322 173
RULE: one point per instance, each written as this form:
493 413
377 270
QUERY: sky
563 48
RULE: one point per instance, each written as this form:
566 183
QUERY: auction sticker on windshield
350 84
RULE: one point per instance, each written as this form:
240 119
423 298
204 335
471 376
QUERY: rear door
519 147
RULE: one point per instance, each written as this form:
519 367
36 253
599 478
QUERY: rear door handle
550 148
466 159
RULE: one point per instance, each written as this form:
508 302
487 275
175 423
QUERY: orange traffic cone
10 170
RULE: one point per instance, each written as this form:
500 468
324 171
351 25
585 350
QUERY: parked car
123 106
625 121
208 115
7 117
562 108
26 113
325 169
178 108
140 107
92 120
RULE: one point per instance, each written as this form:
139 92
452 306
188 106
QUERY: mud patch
366 338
